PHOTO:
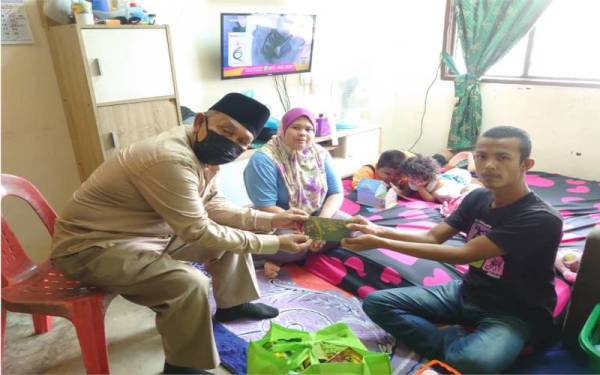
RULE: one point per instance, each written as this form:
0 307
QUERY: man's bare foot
271 270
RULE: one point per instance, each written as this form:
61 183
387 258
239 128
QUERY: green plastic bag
284 351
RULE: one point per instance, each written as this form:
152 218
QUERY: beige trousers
142 272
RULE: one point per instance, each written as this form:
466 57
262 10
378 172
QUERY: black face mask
215 149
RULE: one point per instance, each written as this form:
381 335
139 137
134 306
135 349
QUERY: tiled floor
134 345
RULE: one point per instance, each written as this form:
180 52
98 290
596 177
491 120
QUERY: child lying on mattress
387 169
463 159
425 177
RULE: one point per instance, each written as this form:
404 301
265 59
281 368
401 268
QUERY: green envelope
319 228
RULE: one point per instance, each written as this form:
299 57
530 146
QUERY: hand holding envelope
325 229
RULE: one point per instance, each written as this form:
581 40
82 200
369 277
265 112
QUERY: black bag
266 134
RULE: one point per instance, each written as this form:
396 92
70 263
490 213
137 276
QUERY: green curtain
487 30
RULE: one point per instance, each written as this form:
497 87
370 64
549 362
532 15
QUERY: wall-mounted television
259 44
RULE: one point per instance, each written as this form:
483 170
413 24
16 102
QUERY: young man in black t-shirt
507 295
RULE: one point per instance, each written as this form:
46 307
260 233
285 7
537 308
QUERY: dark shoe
255 311
171 369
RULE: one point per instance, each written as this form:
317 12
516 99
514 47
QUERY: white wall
564 123
195 31
35 138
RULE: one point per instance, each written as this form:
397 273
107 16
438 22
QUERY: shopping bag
331 350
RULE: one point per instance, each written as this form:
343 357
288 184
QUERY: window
562 49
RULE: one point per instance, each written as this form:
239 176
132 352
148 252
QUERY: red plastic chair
43 291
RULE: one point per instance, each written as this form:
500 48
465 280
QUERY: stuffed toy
567 263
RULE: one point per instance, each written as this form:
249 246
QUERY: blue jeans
412 315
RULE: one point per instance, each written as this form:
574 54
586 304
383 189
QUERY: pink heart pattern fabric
390 276
356 264
565 213
413 214
439 277
327 267
538 181
365 290
570 199
418 204
406 259
579 189
350 207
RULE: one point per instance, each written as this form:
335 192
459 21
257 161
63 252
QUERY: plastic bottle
323 126
82 12
101 5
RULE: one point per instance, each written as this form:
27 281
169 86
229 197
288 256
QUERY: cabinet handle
96 67
114 139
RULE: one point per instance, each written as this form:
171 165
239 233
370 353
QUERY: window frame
449 46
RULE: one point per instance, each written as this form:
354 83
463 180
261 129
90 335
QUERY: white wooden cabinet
350 149
128 64
355 148
118 86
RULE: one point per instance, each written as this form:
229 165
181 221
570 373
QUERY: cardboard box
375 193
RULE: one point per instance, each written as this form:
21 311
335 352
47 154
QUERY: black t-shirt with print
521 281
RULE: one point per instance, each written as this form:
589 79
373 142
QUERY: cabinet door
128 64
122 124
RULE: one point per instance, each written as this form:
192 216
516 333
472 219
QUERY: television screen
265 44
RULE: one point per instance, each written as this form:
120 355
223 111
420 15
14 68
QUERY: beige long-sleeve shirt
156 188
